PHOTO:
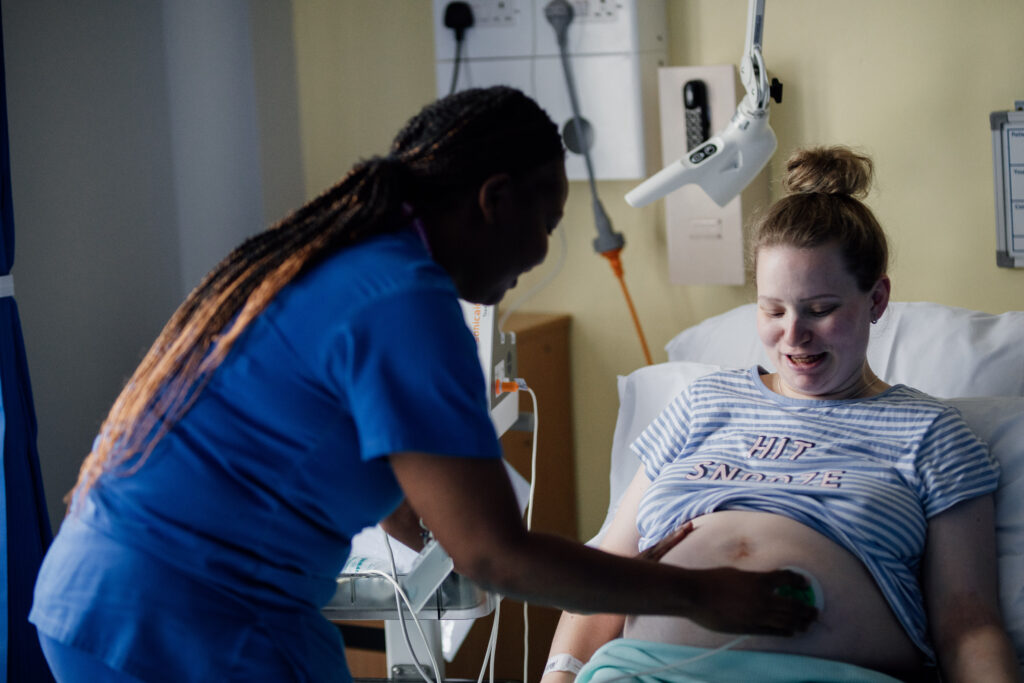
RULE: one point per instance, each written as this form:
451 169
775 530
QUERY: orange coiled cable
616 263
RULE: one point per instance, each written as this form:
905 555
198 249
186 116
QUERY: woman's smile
813 320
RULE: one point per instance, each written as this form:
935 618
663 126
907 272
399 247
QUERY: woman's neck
863 385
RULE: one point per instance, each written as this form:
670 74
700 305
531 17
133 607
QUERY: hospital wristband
563 662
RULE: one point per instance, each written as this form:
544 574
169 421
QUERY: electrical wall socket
496 13
500 29
596 10
615 48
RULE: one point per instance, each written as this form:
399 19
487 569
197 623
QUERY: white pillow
729 340
642 396
947 351
941 350
999 421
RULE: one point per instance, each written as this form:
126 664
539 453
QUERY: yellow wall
909 81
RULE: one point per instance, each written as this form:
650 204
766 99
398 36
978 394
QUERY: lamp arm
726 163
753 73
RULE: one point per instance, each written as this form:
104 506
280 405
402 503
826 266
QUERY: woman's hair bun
828 170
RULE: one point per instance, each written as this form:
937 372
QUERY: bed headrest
942 350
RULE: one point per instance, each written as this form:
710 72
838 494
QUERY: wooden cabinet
542 346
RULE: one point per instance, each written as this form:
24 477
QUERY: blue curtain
24 522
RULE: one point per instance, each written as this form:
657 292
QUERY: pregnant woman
880 494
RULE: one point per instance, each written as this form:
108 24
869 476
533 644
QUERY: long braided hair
446 150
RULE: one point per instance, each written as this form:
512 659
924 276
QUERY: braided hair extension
446 150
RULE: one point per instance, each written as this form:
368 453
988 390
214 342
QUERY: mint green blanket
649 662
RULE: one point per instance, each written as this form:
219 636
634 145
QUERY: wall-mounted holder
705 240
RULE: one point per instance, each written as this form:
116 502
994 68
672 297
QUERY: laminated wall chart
1008 169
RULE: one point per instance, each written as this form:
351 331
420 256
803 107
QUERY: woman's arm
581 635
469 505
960 585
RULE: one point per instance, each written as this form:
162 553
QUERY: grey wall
277 106
145 143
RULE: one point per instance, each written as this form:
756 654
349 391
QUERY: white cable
401 596
533 458
491 642
677 664
529 525
419 627
555 270
489 656
494 645
398 608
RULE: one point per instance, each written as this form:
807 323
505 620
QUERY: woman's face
814 321
516 238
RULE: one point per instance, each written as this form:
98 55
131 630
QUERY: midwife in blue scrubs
319 380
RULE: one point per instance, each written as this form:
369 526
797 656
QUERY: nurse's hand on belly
658 550
855 625
730 597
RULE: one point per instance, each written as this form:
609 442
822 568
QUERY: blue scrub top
228 538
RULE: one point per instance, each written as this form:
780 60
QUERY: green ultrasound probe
812 595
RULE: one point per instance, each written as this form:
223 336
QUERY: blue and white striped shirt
866 473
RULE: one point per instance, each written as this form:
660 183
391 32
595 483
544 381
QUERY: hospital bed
974 360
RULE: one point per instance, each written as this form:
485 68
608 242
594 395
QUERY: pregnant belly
855 623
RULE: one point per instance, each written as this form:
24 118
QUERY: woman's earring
874 320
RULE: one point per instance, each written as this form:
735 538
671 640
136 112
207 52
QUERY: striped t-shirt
866 473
